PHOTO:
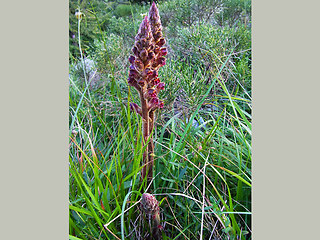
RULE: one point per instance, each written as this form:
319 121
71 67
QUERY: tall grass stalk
79 16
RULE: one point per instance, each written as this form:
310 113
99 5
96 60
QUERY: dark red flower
160 104
133 73
163 51
135 51
141 82
155 81
148 71
161 85
139 65
161 61
161 42
154 74
131 59
152 93
150 55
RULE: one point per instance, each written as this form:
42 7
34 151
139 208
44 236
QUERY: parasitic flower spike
150 206
146 59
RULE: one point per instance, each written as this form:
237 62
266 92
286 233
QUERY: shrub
234 11
122 10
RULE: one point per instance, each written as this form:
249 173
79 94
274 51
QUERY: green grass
202 175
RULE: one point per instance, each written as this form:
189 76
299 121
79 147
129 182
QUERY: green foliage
235 11
188 12
204 47
123 10
89 30
202 136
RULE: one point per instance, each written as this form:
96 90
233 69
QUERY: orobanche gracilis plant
148 57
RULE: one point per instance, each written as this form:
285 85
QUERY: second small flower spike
149 204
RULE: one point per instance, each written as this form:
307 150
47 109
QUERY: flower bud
141 82
149 204
131 59
154 74
135 51
139 65
151 55
156 81
161 42
78 15
152 93
148 71
133 82
160 105
154 102
157 35
143 55
160 86
156 49
133 73
163 51
161 61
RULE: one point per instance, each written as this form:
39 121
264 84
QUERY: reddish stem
145 131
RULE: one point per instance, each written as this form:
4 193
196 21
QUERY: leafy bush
187 12
122 10
235 11
206 46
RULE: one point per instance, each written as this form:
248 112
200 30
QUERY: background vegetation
202 136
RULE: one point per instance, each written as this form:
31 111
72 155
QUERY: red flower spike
149 204
143 75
